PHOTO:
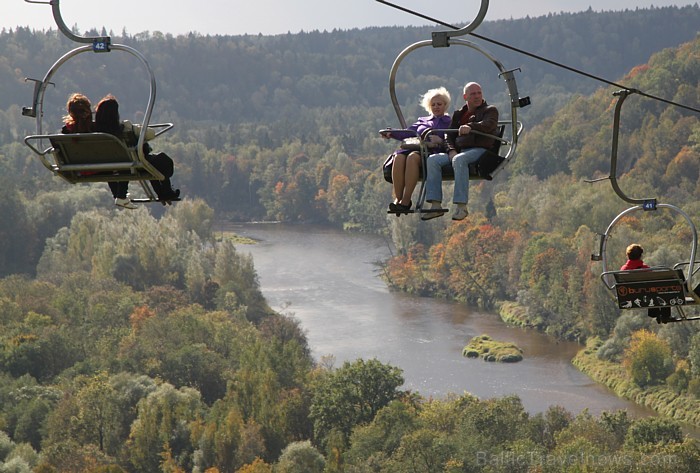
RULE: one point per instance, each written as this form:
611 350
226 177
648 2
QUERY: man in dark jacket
464 148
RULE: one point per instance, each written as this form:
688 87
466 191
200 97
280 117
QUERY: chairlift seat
95 157
650 288
485 166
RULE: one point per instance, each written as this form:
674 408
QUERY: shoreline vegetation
661 399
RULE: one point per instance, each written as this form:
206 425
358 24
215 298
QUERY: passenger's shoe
460 213
400 208
125 203
172 195
435 210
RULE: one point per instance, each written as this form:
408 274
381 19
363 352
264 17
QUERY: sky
270 17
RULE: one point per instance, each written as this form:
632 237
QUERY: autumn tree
648 359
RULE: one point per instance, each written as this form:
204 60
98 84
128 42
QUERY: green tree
97 417
6 445
382 437
163 427
424 449
352 395
300 457
653 431
545 426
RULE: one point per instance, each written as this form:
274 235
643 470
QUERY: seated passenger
634 258
463 149
107 121
79 118
406 167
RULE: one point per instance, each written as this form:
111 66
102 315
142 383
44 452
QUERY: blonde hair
431 94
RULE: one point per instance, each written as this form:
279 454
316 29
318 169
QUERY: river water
329 281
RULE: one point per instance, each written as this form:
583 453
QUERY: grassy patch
491 350
235 238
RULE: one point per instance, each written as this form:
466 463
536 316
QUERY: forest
140 340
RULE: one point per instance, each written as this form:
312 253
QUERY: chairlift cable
540 58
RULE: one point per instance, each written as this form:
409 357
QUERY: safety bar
515 100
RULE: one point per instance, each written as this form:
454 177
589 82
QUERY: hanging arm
100 43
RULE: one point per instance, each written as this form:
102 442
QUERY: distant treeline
242 79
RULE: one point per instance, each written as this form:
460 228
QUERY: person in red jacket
634 258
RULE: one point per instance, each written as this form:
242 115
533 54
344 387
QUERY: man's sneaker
460 213
434 211
125 203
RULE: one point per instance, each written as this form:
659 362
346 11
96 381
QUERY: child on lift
634 258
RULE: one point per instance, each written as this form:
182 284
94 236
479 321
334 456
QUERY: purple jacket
422 124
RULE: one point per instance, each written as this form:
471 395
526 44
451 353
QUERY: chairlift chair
658 289
494 159
93 157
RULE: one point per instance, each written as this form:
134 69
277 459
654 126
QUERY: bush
648 359
694 355
694 387
653 431
301 457
678 381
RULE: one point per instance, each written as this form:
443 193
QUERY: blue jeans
460 164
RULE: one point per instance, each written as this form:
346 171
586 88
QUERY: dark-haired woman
107 121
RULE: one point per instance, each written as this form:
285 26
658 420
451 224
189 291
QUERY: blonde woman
406 167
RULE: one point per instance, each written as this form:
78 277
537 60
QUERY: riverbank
661 399
515 314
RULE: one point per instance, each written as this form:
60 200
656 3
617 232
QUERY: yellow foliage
258 466
648 360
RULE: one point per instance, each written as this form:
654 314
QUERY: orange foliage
631 221
638 70
139 315
546 264
406 272
684 166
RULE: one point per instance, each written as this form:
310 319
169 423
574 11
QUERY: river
329 281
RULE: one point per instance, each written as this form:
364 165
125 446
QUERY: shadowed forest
137 341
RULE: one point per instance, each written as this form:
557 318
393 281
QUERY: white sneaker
434 211
126 203
460 213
